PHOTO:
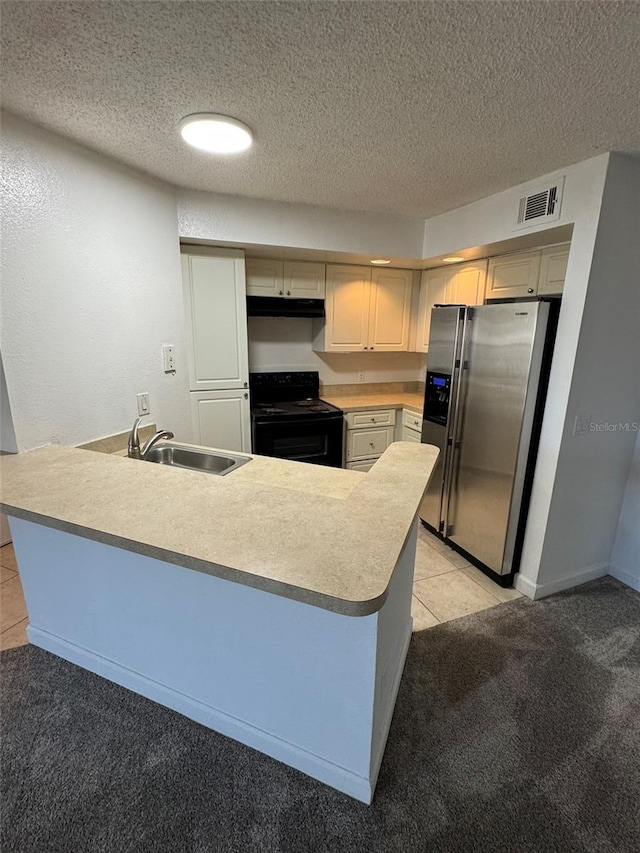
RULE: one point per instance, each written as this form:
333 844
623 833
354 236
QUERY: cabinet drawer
411 420
365 465
368 443
411 435
377 417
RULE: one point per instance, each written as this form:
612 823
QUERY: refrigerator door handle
461 371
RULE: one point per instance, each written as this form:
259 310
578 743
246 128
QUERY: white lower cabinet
368 435
367 443
221 419
411 426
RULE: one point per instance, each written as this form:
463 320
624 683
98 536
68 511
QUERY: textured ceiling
412 108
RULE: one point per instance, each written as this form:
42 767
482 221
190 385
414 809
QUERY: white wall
7 443
492 219
91 289
7 433
625 559
231 219
284 343
605 391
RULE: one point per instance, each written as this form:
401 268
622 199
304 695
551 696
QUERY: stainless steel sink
180 456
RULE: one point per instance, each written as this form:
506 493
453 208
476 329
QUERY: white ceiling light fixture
216 134
453 259
380 262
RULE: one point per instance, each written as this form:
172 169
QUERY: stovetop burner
291 394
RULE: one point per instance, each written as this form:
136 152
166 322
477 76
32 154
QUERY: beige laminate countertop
327 537
360 402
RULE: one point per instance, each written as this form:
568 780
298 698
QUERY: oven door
314 440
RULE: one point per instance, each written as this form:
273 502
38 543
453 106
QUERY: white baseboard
541 590
625 577
288 753
376 760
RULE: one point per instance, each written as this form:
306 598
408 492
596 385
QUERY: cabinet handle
373 420
370 347
246 384
370 444
288 293
529 290
246 396
280 293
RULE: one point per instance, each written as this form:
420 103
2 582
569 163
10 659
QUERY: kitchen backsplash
372 388
284 343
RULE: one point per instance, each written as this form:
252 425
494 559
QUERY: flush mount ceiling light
380 262
452 259
216 134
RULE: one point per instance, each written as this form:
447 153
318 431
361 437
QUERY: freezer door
431 506
443 338
498 390
444 355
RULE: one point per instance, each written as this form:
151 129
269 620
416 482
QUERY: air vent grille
540 206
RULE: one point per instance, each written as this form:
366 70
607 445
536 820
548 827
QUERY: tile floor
13 612
445 587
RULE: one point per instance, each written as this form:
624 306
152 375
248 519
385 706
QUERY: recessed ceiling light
452 259
380 262
216 134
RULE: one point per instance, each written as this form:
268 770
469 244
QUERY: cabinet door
553 268
372 417
468 284
513 275
264 277
347 308
411 435
368 443
221 419
433 291
304 280
390 310
216 320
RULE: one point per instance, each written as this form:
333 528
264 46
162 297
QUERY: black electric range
288 420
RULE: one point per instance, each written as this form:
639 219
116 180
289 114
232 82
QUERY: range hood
274 306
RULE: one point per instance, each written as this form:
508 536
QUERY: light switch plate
143 403
169 358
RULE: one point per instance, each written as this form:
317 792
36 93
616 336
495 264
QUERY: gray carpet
516 729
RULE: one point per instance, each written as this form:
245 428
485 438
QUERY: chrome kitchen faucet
133 445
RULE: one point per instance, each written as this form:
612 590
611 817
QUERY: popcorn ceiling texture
411 108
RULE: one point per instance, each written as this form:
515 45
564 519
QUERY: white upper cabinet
346 325
216 318
304 280
365 310
433 290
390 310
513 275
538 273
553 269
460 285
468 284
290 279
265 277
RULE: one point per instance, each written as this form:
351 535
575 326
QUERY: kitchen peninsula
271 604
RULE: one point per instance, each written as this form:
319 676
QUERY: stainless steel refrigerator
486 381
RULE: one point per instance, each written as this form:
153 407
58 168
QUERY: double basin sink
195 459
